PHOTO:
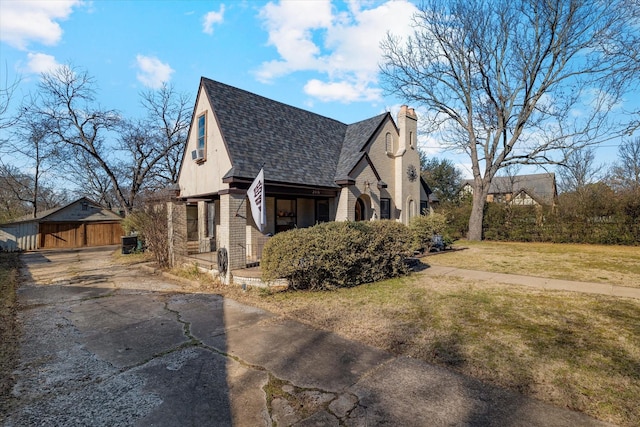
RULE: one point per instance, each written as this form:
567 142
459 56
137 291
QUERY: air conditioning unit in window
197 155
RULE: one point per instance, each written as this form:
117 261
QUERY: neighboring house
316 169
525 190
78 224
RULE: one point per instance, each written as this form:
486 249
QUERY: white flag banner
257 200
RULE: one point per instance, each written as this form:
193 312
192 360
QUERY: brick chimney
408 125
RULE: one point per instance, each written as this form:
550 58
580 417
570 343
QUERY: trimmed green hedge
424 227
337 254
542 224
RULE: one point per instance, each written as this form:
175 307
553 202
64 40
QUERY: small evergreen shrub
424 227
389 243
337 254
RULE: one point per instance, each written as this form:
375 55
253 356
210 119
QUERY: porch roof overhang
239 186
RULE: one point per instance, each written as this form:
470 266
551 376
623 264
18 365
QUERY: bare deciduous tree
30 142
626 171
18 196
66 101
95 183
154 144
7 93
579 170
168 118
129 156
516 81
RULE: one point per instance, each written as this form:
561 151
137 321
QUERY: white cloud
212 18
25 22
153 72
41 63
290 26
343 91
343 46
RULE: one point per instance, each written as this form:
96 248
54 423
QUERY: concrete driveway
105 344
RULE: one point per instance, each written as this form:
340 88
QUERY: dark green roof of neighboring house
295 145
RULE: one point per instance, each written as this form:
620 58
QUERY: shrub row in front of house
338 254
542 224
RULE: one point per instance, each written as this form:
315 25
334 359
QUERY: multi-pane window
385 208
424 207
201 131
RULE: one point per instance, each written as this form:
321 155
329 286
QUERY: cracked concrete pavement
105 344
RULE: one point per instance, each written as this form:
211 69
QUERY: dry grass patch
616 265
576 351
132 258
193 275
9 331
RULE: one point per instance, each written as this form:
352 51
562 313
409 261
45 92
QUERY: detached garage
79 224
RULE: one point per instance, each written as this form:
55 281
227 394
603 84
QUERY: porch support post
233 223
345 211
177 231
203 242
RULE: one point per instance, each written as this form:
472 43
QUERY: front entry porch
224 221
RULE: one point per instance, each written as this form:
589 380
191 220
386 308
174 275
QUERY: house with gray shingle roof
528 190
315 168
81 223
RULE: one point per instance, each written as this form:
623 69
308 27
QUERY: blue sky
318 55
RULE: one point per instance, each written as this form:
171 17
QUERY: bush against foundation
424 227
337 254
150 223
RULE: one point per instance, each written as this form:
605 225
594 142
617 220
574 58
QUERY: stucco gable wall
383 162
204 177
362 174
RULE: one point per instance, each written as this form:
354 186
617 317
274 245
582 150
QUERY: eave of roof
42 215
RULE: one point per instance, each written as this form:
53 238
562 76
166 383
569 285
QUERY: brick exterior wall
233 234
346 205
177 231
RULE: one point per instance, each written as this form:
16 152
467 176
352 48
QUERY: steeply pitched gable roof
355 140
541 186
296 146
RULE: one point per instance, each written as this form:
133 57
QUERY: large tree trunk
477 215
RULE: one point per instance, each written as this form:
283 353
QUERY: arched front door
360 210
